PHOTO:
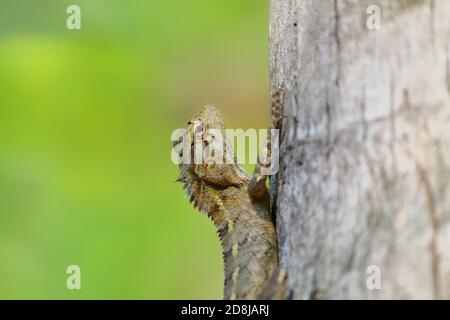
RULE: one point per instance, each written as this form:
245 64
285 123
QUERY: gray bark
365 148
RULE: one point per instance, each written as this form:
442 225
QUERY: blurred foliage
85 123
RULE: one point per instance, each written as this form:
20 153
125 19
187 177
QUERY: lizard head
207 158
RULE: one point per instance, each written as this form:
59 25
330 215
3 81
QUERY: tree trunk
365 147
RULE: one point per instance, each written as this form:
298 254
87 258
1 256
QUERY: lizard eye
198 129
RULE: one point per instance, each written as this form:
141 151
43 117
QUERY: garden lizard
237 204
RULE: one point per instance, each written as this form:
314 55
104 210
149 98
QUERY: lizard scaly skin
242 218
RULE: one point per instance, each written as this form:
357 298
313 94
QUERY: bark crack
432 31
338 42
354 126
393 121
448 67
425 182
365 125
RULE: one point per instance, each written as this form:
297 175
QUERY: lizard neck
246 232
248 241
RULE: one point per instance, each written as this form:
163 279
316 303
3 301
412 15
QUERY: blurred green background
85 123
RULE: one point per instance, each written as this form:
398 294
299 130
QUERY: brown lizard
239 207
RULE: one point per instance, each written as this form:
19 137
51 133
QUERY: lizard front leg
257 186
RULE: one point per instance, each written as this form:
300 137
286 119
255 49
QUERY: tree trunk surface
365 147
